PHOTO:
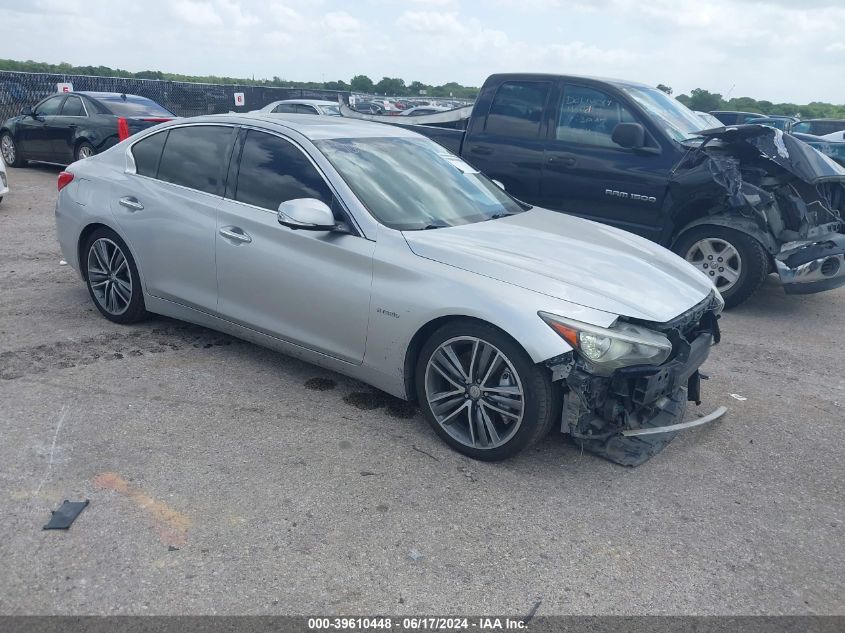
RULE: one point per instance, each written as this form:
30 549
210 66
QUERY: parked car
4 181
370 250
831 148
781 123
423 110
710 122
64 128
738 202
368 107
819 127
302 106
730 117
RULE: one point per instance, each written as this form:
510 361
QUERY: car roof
312 127
619 83
108 95
308 102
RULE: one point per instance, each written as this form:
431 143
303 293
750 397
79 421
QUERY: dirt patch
370 400
320 384
107 347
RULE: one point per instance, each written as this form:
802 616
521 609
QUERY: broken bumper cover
813 267
632 415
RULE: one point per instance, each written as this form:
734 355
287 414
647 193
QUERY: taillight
157 120
122 129
65 178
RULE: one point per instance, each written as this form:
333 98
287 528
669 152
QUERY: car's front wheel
9 150
112 277
736 263
481 393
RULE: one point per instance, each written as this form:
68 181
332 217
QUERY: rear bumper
815 267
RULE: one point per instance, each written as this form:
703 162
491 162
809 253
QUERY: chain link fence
19 89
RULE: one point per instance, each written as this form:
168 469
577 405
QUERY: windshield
134 107
677 120
330 110
411 184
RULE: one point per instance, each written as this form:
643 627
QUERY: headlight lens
607 349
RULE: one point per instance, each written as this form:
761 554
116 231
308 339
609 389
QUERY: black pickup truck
738 202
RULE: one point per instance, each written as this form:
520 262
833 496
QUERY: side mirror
308 214
629 135
27 111
499 184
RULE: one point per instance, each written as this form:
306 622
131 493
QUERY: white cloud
342 22
196 13
780 50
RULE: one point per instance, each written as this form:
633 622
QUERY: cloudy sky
781 50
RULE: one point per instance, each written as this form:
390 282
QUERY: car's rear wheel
9 150
481 393
84 150
736 263
112 277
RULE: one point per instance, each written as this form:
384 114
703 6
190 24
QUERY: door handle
235 233
483 151
563 161
131 203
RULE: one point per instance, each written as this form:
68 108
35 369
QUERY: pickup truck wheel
481 393
736 263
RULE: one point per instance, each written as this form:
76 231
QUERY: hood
571 259
794 155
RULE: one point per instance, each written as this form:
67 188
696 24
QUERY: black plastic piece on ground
66 515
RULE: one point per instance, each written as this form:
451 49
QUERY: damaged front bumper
631 415
813 267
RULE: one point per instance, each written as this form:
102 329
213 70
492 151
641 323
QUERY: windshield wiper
506 214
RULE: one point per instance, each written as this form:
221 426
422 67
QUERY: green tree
391 86
336 85
361 83
704 100
415 87
664 88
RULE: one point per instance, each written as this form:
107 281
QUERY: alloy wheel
85 151
474 392
7 148
718 259
109 276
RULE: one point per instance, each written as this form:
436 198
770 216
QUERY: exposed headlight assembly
607 349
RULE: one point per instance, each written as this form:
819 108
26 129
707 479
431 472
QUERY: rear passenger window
73 107
517 109
147 153
284 108
197 157
272 171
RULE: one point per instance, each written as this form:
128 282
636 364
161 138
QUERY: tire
108 281
741 255
9 149
526 404
84 150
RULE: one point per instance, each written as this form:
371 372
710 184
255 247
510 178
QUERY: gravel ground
225 478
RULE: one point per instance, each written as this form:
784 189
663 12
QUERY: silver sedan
372 251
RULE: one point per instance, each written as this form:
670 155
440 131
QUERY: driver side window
588 116
49 107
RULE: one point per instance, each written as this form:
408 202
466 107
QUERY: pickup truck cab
738 202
